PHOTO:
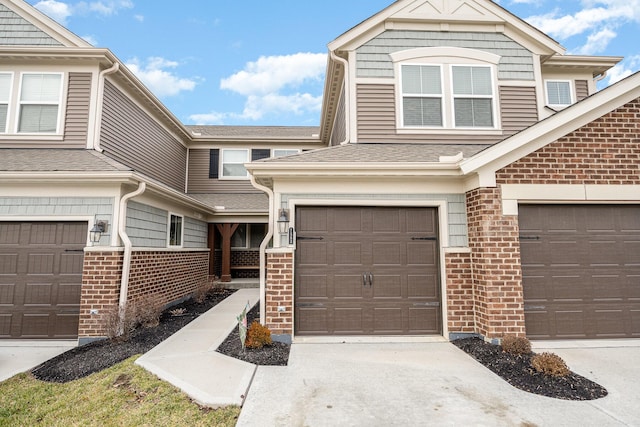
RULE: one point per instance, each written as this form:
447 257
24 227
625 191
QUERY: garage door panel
73 234
68 294
422 253
9 234
40 294
348 286
312 253
386 221
66 325
71 263
348 320
424 320
634 315
347 253
312 320
41 264
387 286
348 221
43 233
7 292
423 286
386 253
312 220
387 320
595 298
8 264
421 221
36 325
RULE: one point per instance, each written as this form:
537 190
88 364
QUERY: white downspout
126 262
347 122
100 105
263 248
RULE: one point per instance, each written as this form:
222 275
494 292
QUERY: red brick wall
101 276
497 275
279 293
170 275
460 303
604 152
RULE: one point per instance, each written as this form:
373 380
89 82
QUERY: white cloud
91 40
272 86
55 10
106 8
157 76
139 18
624 69
598 42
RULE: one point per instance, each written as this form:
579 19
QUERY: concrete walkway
189 361
17 356
433 384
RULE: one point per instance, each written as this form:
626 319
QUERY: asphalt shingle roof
244 202
56 160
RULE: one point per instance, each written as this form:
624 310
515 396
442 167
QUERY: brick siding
460 303
169 275
279 293
497 275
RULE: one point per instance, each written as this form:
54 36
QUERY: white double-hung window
232 165
559 93
39 103
422 102
472 96
6 80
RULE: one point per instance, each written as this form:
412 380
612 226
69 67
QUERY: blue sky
262 62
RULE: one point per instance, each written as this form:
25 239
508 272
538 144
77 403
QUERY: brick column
460 303
497 273
279 292
101 277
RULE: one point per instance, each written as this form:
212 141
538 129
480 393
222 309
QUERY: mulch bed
517 371
276 354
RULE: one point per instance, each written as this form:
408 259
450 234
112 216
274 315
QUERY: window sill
17 137
448 131
233 178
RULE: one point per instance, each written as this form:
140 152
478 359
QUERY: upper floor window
40 96
5 97
284 152
559 93
456 96
175 230
232 165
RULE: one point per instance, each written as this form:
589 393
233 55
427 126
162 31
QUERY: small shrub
258 336
202 291
515 345
550 364
148 310
176 312
116 328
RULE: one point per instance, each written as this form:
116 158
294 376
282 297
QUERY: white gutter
347 124
263 248
100 105
126 263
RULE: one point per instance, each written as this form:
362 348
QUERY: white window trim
9 106
169 245
221 165
446 57
493 97
442 96
18 103
572 93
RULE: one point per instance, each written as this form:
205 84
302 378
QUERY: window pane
431 84
5 87
411 81
40 88
239 238
3 118
235 156
482 81
282 153
473 112
38 119
559 93
472 81
175 231
422 111
234 170
462 81
424 80
258 231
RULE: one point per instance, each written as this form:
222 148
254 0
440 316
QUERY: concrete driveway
430 384
20 356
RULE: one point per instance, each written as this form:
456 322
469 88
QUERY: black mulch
518 372
276 354
82 361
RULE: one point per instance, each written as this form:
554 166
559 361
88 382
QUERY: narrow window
559 93
284 152
39 103
175 230
258 154
473 96
233 163
422 95
5 94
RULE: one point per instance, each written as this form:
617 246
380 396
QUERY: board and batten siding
518 108
373 60
200 183
376 115
17 31
456 208
132 137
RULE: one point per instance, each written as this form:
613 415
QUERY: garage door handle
370 280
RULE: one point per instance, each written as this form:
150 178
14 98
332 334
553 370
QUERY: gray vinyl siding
76 122
100 208
132 137
200 183
373 58
195 234
339 132
147 226
518 108
582 89
456 207
16 31
376 115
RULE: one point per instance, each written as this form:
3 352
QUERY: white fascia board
555 127
353 169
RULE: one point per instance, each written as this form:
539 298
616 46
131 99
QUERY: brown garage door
581 270
367 271
40 279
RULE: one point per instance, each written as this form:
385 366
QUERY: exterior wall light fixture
95 234
283 221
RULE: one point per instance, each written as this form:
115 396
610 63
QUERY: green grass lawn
124 395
